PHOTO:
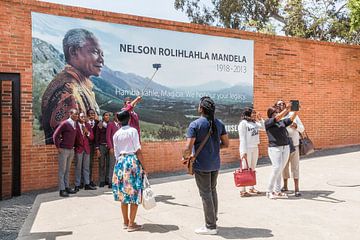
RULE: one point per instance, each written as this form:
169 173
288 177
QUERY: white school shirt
249 134
126 141
71 122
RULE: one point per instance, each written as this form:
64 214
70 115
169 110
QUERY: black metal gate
10 108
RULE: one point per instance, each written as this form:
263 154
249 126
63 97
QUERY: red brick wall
324 76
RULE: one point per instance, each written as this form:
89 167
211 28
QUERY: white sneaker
270 195
206 231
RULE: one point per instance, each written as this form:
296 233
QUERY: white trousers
278 157
252 158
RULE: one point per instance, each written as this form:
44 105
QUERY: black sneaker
70 190
102 184
92 184
110 185
63 193
89 187
77 188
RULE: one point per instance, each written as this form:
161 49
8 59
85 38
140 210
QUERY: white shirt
249 134
71 122
92 123
294 133
126 141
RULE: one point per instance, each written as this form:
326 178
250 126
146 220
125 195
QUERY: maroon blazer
64 136
82 142
110 131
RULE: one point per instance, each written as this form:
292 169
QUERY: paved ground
329 208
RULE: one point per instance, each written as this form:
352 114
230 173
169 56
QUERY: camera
294 105
157 65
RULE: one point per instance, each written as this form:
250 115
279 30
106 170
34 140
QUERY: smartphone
294 105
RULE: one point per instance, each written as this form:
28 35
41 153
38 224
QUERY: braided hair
208 107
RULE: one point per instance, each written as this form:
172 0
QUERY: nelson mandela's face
90 58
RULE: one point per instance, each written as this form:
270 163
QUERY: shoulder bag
186 154
306 146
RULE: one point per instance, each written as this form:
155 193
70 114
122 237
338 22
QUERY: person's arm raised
283 113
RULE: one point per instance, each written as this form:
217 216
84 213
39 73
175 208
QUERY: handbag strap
146 181
247 164
202 144
304 135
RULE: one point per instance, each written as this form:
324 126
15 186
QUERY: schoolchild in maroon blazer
110 131
93 122
64 139
102 150
84 135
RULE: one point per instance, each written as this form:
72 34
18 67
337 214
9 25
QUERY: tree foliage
354 7
326 20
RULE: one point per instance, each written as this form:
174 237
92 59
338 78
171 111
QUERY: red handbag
244 176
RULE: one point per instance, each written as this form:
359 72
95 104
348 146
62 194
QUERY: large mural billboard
117 61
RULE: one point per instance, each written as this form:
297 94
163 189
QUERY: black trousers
206 183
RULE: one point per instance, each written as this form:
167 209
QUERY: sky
162 9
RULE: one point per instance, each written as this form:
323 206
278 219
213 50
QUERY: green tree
326 20
354 7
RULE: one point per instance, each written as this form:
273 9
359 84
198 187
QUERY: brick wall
324 76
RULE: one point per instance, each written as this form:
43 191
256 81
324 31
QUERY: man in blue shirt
207 163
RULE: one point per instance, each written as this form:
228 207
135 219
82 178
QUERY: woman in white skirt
249 140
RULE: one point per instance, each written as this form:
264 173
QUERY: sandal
280 195
245 194
253 190
297 194
284 189
134 228
125 226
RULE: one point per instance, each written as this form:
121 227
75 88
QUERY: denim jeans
206 182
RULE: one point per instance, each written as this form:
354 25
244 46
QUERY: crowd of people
283 128
82 135
117 145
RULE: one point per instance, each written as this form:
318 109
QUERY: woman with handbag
294 131
249 140
128 171
278 149
209 134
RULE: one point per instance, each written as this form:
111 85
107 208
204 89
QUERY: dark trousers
103 163
206 182
92 153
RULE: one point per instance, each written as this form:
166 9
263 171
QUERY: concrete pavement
329 208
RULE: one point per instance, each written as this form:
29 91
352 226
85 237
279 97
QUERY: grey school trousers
65 158
206 182
82 162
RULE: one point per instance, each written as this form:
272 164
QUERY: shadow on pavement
317 195
243 233
165 199
158 228
46 235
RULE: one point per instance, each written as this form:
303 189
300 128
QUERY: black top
276 132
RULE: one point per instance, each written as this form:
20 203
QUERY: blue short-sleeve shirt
209 158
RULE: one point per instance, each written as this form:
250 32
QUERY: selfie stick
156 66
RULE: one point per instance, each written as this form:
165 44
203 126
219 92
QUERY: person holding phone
249 140
294 131
278 149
